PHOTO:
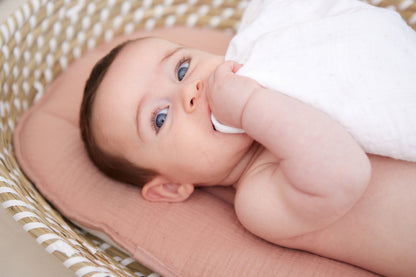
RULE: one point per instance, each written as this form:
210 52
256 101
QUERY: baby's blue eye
182 69
160 118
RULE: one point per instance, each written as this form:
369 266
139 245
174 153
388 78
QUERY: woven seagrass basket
38 41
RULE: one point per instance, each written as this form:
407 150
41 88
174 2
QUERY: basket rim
42 38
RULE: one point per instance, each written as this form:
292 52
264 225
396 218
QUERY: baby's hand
228 93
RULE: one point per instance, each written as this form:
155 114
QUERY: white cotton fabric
352 60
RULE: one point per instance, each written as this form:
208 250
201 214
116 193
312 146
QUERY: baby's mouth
218 126
211 119
212 122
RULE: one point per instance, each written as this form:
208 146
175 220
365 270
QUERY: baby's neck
243 165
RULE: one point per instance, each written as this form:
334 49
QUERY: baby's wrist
248 99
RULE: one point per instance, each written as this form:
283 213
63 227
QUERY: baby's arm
318 171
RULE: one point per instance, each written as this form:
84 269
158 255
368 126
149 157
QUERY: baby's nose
190 95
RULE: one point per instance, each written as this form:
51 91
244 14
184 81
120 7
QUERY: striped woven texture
37 42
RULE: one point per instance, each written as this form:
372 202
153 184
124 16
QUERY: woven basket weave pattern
40 40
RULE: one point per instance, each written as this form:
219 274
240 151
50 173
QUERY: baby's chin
239 143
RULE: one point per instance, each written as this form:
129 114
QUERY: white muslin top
354 61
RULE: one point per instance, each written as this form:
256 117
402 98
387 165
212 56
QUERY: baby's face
152 109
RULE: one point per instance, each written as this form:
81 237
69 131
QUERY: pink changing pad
200 237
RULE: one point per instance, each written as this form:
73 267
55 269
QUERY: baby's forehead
140 49
112 102
136 57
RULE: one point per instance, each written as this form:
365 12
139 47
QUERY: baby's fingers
234 66
229 66
222 73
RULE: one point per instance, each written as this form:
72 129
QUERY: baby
301 180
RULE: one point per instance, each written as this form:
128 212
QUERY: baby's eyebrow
171 53
137 120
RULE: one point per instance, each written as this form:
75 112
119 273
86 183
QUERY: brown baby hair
114 167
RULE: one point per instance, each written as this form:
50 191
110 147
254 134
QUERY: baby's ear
161 189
